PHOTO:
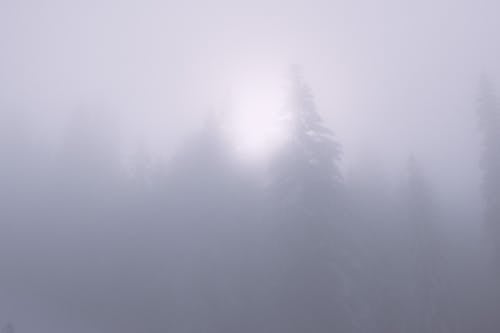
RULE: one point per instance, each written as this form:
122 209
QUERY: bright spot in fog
256 127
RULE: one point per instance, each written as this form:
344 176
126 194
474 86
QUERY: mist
272 166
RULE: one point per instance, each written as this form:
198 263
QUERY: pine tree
489 124
306 188
209 210
307 166
427 295
378 231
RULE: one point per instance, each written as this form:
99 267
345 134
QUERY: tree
209 232
22 162
420 204
9 328
489 125
89 158
428 292
306 168
378 230
306 190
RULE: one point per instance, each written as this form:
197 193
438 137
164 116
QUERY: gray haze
392 79
161 64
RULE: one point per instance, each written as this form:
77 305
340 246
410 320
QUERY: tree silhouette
489 124
306 189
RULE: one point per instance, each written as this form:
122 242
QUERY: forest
204 241
263 166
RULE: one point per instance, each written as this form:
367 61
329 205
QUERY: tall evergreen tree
488 113
489 124
306 188
307 166
209 225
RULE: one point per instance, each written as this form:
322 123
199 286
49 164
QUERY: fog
260 166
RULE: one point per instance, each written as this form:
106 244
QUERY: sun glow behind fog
256 126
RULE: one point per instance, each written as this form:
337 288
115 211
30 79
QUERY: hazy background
412 65
391 77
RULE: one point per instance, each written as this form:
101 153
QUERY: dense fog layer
265 166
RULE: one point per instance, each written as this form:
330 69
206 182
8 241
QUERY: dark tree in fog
489 124
307 186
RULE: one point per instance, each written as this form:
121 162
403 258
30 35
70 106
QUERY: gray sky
384 72
389 76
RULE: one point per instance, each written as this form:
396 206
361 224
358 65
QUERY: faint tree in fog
421 205
307 186
88 162
207 200
9 328
23 164
428 292
378 230
18 154
142 170
489 124
143 201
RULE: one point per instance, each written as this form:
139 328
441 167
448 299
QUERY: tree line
204 244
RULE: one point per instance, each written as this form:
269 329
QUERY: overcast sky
391 77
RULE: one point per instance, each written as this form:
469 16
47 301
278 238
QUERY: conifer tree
306 189
209 210
489 124
307 166
488 113
428 291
